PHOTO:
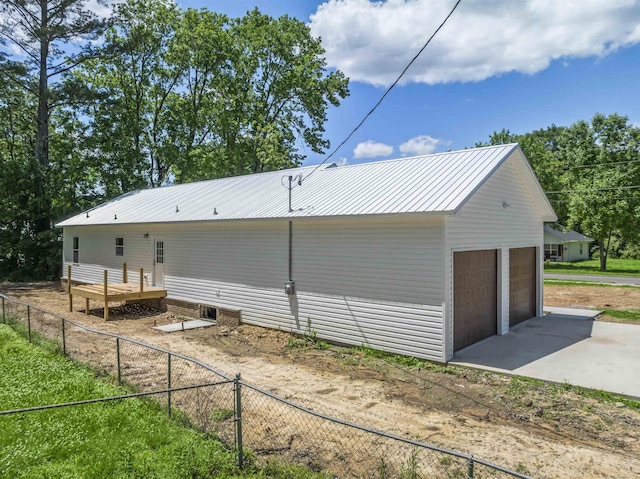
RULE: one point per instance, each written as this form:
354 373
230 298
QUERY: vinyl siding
97 252
483 223
375 282
571 250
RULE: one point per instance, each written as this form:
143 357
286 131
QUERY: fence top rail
110 398
386 434
122 338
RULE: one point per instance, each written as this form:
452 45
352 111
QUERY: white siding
484 223
97 252
375 282
378 283
572 251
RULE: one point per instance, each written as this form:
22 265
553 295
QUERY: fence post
29 322
118 361
64 339
4 319
237 389
169 384
470 468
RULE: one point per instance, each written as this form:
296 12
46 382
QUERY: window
581 245
551 250
159 252
119 246
76 249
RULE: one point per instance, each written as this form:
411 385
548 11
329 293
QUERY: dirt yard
541 430
592 297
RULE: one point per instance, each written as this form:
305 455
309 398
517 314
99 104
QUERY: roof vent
215 211
177 210
332 165
115 217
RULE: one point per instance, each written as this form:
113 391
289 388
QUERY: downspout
290 250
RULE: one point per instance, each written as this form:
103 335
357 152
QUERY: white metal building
419 256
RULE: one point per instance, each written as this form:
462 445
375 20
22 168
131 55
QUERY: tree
591 173
279 94
37 28
17 162
194 95
603 175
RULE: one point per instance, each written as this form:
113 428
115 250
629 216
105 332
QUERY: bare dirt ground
543 430
593 297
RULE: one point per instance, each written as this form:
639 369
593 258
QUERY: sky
521 65
515 64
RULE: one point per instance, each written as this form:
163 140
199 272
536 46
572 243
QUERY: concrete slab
185 325
564 348
584 313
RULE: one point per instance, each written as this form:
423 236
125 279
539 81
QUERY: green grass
615 267
119 439
519 386
564 282
625 315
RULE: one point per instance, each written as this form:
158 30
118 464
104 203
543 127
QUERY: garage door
522 284
475 297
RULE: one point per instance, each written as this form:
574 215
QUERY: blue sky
515 64
500 64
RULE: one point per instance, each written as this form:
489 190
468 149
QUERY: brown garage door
522 284
475 297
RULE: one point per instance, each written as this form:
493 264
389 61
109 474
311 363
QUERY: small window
119 246
76 249
160 252
581 245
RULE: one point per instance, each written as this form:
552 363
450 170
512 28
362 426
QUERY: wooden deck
113 292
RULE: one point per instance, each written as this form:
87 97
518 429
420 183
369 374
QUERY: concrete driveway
564 346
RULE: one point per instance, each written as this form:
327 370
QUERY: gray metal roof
567 235
431 184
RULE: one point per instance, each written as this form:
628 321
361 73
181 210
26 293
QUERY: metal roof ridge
430 155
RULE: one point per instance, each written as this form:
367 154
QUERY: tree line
591 173
93 108
153 95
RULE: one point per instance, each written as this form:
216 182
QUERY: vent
208 312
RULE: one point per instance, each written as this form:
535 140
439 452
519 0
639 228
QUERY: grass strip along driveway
131 438
615 267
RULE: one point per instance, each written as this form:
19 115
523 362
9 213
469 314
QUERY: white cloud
372 41
420 145
102 11
371 149
342 161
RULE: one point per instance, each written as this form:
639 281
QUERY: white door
158 262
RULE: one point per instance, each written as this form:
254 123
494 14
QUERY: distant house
563 244
418 256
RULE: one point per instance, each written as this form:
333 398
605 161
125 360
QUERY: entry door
158 262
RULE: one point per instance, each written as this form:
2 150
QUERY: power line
593 189
386 92
594 165
600 198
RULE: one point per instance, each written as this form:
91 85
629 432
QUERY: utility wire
599 198
593 189
386 92
594 165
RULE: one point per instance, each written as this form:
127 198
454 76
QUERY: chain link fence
255 423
